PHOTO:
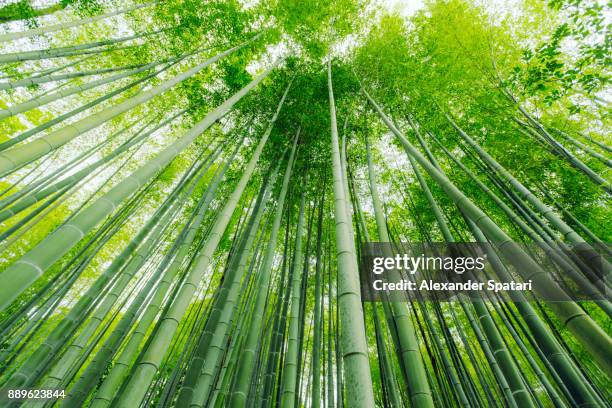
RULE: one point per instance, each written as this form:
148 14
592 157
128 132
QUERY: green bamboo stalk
559 358
553 351
330 374
497 347
551 391
61 283
315 396
594 238
62 369
601 145
53 70
42 79
551 215
66 51
344 163
548 246
115 377
212 346
33 366
21 274
354 346
495 351
278 325
586 257
197 386
300 369
79 53
573 160
36 196
585 148
7 233
180 247
58 119
63 366
54 96
391 391
38 182
228 372
289 380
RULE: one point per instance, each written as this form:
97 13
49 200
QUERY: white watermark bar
416 271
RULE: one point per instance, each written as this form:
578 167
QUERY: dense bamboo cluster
183 209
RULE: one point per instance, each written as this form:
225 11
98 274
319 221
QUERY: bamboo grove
186 187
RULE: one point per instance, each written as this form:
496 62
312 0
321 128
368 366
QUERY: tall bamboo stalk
289 379
353 342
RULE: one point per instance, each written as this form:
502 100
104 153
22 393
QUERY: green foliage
316 25
574 58
510 79
23 9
